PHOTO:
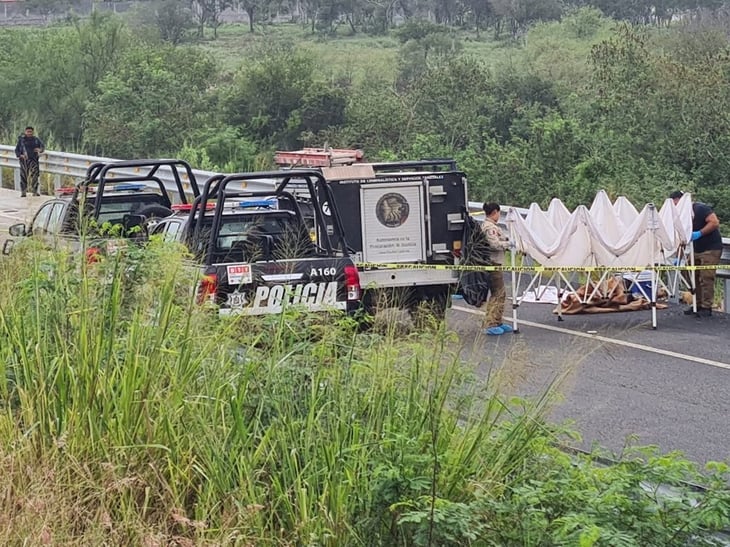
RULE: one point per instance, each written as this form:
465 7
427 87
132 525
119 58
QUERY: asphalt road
670 387
14 209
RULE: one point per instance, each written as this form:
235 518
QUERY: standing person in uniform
498 244
27 150
707 242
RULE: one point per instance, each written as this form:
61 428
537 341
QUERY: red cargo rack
318 157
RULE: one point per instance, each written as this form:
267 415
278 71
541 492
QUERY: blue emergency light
127 187
268 203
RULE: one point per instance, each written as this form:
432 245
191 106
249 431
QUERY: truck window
39 222
113 211
271 236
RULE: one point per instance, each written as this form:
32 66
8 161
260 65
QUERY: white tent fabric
608 234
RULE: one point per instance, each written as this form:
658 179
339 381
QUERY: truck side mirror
18 230
8 246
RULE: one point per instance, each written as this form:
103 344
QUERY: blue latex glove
696 235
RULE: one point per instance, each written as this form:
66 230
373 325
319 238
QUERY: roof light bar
122 187
267 203
126 187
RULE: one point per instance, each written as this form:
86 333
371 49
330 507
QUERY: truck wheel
154 211
151 213
387 310
430 306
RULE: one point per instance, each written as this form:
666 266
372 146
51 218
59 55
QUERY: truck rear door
259 288
266 261
393 229
446 201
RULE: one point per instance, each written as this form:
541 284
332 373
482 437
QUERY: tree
208 12
50 7
251 7
152 103
172 19
221 149
102 39
266 92
379 117
666 109
382 14
454 102
424 45
480 11
59 72
518 14
322 108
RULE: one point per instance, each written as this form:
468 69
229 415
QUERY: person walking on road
27 151
498 244
707 242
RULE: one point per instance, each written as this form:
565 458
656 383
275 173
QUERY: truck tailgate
314 284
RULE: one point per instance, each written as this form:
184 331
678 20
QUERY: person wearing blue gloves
707 242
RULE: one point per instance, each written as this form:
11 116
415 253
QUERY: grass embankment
131 417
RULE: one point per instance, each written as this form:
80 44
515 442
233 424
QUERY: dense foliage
573 102
130 416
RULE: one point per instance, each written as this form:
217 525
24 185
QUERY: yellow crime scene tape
537 269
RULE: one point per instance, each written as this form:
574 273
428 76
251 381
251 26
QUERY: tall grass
132 417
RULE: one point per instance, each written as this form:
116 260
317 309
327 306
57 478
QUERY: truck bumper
407 277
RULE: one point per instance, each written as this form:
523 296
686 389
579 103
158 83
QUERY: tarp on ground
610 234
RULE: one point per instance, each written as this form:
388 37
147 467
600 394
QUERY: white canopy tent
609 236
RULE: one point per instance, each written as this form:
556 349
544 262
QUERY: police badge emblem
392 210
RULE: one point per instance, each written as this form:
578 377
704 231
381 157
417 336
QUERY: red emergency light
187 207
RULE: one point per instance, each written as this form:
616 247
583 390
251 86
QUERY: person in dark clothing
27 150
707 242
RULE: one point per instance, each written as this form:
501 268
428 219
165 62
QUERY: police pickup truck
110 204
402 221
255 249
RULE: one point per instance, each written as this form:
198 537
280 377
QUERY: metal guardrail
62 166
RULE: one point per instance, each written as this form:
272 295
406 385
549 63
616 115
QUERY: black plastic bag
474 285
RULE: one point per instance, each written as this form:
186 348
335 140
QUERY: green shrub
131 416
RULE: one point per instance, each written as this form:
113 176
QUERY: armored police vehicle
255 250
401 220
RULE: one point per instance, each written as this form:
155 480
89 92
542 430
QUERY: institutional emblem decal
392 210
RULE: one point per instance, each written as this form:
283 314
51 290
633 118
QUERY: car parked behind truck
113 202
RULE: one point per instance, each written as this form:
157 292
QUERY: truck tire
151 213
387 310
154 211
429 305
